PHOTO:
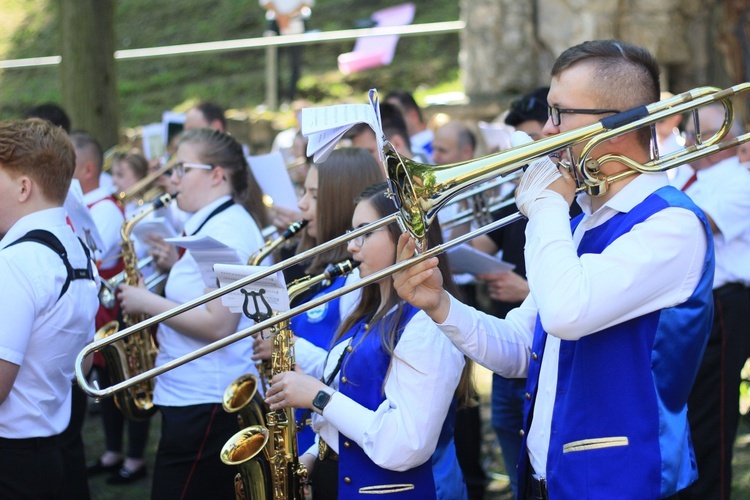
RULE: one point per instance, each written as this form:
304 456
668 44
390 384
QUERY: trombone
419 191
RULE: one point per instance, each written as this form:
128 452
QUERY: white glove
539 174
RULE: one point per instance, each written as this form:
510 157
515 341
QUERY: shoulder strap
49 240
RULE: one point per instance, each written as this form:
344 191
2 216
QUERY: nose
549 128
351 247
302 204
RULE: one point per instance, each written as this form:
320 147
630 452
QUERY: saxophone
137 353
267 455
271 245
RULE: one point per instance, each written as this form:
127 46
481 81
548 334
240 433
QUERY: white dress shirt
723 192
108 219
419 388
38 332
654 266
205 379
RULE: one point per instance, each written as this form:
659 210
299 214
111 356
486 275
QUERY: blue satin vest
362 375
619 424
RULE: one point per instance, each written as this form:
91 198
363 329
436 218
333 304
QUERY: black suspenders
49 240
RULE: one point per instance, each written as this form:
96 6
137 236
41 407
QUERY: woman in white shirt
380 420
214 185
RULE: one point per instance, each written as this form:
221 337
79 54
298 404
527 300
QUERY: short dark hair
406 101
41 150
84 141
211 112
532 106
392 121
52 113
627 75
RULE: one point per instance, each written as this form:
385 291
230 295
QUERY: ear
218 175
25 188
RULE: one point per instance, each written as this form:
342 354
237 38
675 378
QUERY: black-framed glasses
554 113
179 167
358 241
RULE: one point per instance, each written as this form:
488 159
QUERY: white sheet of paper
157 225
272 287
153 141
325 126
495 135
466 259
271 173
80 217
207 251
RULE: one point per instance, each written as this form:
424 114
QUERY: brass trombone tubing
95 346
258 327
502 164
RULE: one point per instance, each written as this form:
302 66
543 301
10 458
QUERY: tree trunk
89 83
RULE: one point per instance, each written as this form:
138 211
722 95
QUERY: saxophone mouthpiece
341 269
294 228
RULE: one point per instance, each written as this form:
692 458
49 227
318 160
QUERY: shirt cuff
349 417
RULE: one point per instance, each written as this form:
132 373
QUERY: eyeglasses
358 241
179 167
554 113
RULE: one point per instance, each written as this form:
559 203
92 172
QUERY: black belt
325 452
538 486
29 443
728 289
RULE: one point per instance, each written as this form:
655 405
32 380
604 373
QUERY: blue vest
626 386
318 326
362 375
449 479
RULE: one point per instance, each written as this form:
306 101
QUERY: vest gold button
343 380
349 349
521 433
346 444
534 356
347 480
527 396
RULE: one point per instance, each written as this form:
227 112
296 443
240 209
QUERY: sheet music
207 251
81 220
271 173
156 225
273 287
466 259
325 126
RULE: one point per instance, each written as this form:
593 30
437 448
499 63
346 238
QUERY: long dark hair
340 179
220 148
369 304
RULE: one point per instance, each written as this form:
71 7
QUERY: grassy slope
29 28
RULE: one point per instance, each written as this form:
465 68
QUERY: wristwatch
320 400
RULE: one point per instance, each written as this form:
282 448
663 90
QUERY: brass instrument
419 191
280 458
271 245
108 288
131 356
143 191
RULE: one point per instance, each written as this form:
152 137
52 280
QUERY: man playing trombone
614 328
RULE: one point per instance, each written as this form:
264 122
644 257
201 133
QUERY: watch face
321 400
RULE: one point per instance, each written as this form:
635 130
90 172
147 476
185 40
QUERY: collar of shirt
194 222
95 195
719 170
48 218
631 195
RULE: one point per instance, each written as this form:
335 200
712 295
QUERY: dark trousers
713 405
325 480
31 469
187 461
468 439
76 482
114 424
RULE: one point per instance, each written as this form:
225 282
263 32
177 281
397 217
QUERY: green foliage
234 79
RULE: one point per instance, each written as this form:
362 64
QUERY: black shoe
125 476
97 467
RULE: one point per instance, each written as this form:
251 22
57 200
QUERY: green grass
236 80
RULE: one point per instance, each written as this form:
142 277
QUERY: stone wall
509 45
